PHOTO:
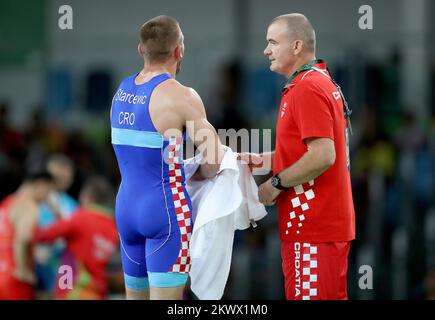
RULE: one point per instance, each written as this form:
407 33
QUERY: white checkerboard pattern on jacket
300 205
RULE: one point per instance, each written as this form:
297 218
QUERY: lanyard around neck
309 66
305 67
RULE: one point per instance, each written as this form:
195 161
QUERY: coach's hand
253 160
267 194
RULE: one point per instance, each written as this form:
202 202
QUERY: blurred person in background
18 216
59 205
311 182
227 113
12 152
429 285
92 239
153 208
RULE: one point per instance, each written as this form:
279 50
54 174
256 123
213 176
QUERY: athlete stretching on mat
153 209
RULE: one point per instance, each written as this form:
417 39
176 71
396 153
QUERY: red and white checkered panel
309 271
301 206
182 265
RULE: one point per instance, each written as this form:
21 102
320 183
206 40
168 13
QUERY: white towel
221 205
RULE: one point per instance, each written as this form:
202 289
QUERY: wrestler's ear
178 52
140 50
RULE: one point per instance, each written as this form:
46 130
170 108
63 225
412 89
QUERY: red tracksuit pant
315 271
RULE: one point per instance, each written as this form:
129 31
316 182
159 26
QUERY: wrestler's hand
267 193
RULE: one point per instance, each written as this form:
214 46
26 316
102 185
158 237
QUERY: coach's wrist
277 183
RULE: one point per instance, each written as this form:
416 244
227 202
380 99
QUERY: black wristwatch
276 183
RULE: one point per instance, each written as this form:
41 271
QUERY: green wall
22 30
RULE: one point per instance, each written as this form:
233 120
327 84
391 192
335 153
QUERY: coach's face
279 48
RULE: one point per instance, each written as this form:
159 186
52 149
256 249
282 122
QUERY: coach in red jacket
311 182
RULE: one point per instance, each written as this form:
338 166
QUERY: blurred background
56 88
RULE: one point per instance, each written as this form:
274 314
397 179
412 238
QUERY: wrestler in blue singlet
152 206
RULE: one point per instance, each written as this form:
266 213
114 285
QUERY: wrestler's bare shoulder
174 90
174 95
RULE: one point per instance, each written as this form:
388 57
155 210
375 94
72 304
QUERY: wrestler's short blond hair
159 36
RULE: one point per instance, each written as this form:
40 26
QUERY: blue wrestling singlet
152 207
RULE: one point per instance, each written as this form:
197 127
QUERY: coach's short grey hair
299 28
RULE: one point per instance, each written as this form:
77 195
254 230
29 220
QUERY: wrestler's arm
203 134
23 218
63 228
